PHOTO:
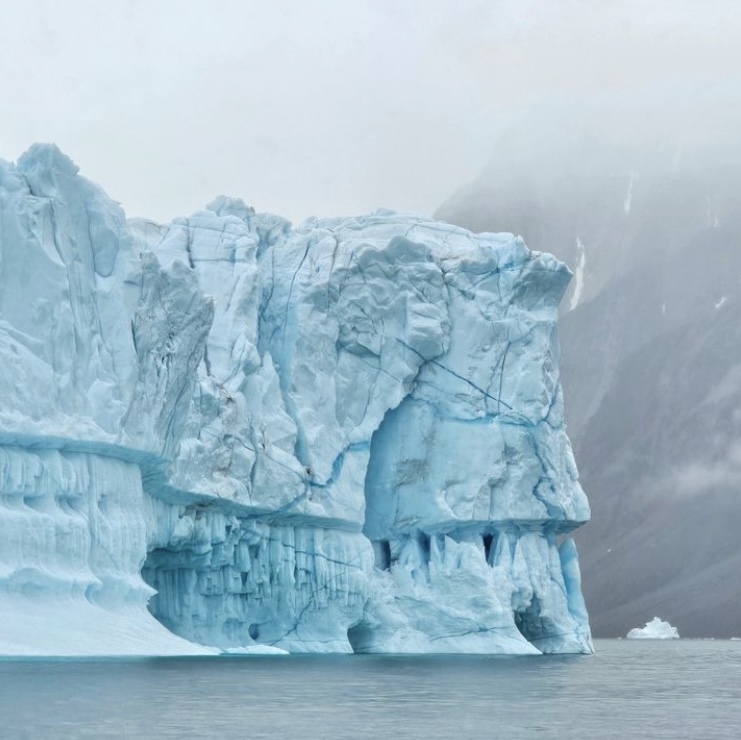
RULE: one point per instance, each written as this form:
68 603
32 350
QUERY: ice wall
343 436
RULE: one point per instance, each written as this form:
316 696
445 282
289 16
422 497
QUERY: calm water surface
629 689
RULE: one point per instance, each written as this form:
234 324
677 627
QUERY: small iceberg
656 629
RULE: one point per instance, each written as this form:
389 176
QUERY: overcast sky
328 107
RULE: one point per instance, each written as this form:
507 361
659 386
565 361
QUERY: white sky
325 107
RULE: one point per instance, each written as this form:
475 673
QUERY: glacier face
343 436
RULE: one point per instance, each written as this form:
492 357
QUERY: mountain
650 366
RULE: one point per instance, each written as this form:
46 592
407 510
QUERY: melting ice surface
227 432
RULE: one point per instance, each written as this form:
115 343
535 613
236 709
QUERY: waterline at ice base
228 432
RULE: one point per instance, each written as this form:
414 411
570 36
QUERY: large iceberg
229 432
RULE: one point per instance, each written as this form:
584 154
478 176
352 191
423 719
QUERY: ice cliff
343 436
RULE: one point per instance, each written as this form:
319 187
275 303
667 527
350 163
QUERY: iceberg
656 629
228 434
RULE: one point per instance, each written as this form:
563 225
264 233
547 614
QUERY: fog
337 107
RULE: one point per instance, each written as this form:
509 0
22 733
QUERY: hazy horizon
334 108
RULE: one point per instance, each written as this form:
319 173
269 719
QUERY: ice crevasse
228 432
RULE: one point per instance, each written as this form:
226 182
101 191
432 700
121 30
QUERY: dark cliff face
651 371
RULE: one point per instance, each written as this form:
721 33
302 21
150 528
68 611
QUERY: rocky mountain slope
651 369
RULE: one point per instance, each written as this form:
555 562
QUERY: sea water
628 689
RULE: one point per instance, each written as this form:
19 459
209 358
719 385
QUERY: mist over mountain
650 223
